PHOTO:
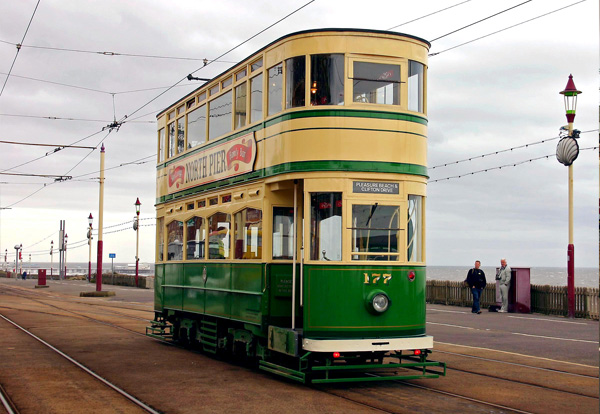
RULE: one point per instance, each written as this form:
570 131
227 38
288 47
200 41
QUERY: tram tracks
355 398
82 367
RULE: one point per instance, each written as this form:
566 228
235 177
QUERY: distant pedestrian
25 275
476 281
503 276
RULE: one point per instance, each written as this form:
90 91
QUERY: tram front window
376 83
326 226
416 77
375 232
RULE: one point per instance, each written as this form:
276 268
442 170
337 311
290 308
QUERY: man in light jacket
503 275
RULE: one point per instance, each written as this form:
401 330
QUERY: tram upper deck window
172 143
256 65
275 89
256 94
240 106
327 79
175 240
248 234
219 114
375 231
414 227
161 145
326 226
197 127
416 74
295 77
376 83
218 236
196 234
283 233
180 135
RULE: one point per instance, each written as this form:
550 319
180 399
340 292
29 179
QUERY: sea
554 276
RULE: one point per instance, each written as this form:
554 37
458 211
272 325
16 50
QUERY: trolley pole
100 223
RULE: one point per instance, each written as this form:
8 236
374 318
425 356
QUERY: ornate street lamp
567 151
136 227
89 236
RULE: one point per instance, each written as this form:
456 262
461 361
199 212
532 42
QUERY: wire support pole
100 223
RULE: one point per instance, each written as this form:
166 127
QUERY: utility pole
100 223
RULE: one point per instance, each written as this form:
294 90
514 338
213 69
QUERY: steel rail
84 368
7 403
556 371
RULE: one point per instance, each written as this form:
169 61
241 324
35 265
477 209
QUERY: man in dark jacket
476 281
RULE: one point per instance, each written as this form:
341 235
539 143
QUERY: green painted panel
280 295
159 281
173 295
246 308
231 290
336 301
217 303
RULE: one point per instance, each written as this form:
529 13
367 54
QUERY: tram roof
301 32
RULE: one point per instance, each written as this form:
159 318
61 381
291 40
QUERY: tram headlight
378 302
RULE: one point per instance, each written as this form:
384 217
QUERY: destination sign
222 161
374 187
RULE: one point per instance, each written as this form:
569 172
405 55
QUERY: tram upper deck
331 100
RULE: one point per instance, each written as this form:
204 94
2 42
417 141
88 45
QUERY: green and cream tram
291 209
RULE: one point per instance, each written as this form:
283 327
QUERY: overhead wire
427 15
515 164
217 58
446 164
479 21
19 47
507 28
106 53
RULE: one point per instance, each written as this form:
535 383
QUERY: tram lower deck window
283 233
375 230
326 226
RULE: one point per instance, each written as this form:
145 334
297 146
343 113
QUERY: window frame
400 234
402 62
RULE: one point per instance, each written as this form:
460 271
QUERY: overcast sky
493 94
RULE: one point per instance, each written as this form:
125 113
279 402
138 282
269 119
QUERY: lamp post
66 238
136 227
51 258
89 235
567 151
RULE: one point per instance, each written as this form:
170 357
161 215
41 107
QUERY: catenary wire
446 164
19 47
216 59
479 21
427 15
515 164
507 28
105 53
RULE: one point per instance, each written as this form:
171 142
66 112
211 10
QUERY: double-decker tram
291 210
